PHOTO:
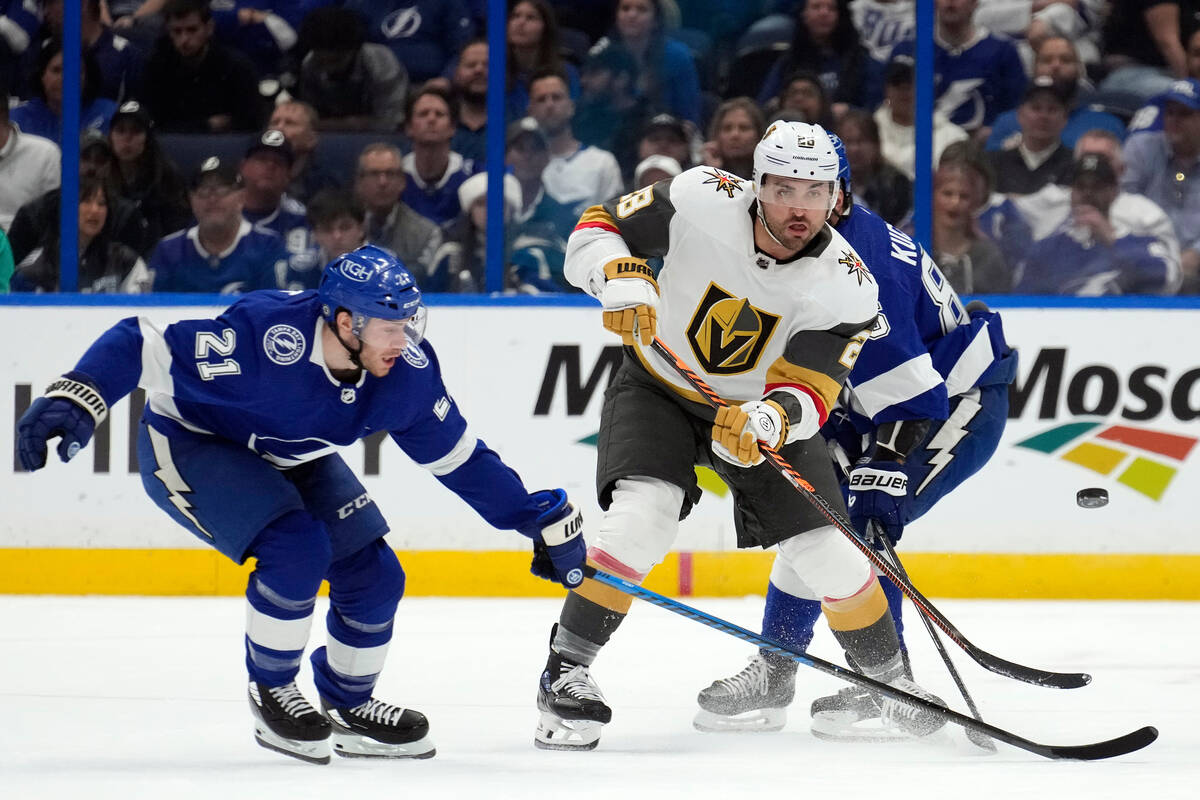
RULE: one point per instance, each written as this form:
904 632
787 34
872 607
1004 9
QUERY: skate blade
554 733
353 745
759 720
834 726
310 752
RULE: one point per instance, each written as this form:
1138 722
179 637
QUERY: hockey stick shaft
1121 745
1039 677
974 736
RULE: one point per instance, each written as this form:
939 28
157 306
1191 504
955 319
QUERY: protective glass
797 193
388 334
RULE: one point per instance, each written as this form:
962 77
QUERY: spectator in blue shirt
667 74
265 172
533 49
263 30
223 253
1165 167
1056 58
977 74
41 115
425 35
434 170
470 84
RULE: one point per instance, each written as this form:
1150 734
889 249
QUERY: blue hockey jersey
1071 261
290 222
924 348
256 376
254 261
975 83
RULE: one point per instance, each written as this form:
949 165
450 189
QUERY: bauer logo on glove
865 479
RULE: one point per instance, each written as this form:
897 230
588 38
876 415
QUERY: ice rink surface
121 698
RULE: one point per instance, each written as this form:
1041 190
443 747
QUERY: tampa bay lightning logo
402 23
283 344
414 355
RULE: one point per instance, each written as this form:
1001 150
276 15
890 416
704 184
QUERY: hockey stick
973 736
1038 677
1119 746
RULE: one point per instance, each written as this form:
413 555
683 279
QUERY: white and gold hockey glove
630 299
737 431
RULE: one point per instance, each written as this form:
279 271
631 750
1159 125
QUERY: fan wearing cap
665 135
238 445
266 172
896 116
223 253
1165 167
1039 157
527 152
770 305
578 175
1091 255
144 173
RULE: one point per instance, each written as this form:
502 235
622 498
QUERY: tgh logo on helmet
357 271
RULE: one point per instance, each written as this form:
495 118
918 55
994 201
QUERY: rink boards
1106 396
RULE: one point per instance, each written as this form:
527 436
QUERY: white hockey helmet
796 150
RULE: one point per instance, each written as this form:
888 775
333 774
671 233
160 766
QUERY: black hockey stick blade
1083 752
1021 672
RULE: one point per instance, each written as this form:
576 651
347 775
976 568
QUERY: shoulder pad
708 197
856 294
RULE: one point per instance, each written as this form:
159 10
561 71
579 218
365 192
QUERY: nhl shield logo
349 395
284 344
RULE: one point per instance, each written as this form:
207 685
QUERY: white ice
123 698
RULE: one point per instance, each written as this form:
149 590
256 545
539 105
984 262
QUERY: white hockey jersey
744 322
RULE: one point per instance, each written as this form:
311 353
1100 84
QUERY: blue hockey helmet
839 147
371 283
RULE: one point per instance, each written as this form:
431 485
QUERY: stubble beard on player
787 240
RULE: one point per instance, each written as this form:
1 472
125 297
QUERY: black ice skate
286 723
375 729
756 699
855 714
571 705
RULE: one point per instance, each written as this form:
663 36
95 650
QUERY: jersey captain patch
727 334
724 181
855 267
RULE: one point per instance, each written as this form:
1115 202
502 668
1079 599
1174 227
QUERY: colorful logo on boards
1142 459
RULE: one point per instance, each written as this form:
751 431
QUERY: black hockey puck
1091 498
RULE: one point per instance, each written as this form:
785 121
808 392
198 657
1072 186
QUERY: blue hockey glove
878 491
559 552
71 408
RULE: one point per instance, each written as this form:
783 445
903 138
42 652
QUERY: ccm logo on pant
363 499
866 480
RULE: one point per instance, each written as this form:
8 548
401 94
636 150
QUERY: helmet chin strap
353 354
767 227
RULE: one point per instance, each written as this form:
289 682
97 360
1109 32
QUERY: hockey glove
738 429
71 408
559 552
630 299
878 491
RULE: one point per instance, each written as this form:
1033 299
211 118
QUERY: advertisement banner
1105 397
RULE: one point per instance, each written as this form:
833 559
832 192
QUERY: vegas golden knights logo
727 334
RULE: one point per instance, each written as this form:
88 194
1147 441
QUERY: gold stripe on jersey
727 333
597 214
784 371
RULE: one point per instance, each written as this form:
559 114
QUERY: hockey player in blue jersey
237 444
923 410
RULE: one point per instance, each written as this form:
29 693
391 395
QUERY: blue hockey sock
789 619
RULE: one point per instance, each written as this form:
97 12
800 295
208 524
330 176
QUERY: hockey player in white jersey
238 441
923 409
770 305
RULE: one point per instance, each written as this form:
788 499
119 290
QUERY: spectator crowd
234 145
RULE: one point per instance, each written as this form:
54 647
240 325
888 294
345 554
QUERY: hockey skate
571 705
376 729
756 699
286 723
856 714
